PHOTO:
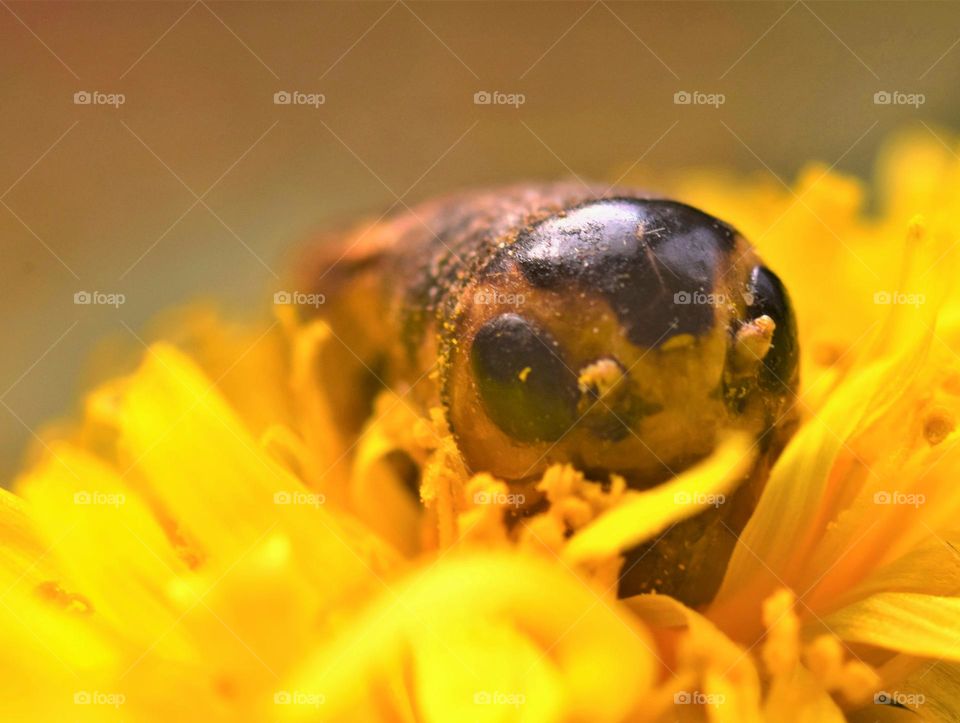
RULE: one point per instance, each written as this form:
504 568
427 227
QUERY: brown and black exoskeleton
610 329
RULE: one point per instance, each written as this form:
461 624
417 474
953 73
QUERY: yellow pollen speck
524 373
753 342
600 376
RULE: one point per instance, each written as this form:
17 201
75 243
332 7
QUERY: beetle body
560 323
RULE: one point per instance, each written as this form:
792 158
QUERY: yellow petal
802 496
932 693
111 548
923 625
575 633
725 681
397 514
490 672
24 559
47 629
188 451
232 354
932 567
644 514
799 698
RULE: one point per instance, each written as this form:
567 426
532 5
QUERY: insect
610 329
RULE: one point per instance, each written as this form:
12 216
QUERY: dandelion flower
207 544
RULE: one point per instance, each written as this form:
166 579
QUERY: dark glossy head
624 335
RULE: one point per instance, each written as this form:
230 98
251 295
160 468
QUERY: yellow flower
206 544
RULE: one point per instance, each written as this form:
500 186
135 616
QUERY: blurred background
155 152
